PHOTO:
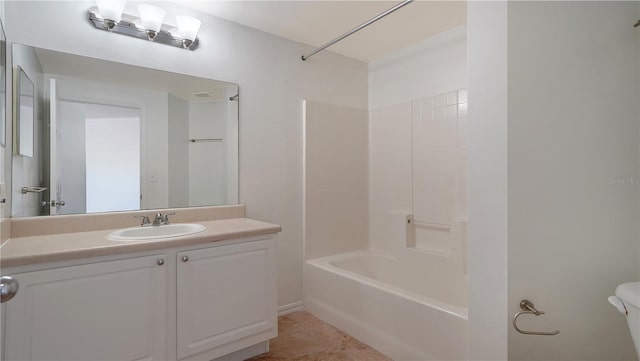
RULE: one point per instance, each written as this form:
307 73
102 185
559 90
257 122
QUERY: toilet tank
629 293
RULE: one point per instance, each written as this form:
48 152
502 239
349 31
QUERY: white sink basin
156 232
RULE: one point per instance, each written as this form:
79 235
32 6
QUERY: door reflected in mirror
117 137
99 147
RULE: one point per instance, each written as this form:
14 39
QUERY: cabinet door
112 310
226 298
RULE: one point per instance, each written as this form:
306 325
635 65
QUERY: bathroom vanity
82 296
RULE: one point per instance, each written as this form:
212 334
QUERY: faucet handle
165 219
158 220
145 220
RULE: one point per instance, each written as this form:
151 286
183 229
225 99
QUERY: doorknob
8 288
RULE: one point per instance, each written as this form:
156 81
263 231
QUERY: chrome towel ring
528 308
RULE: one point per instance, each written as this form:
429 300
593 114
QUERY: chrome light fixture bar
132 26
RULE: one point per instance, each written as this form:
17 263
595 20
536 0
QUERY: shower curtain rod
356 29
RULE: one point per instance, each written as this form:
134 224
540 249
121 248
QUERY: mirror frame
22 124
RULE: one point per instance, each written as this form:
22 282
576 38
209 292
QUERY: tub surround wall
418 166
390 186
270 127
417 148
335 199
439 173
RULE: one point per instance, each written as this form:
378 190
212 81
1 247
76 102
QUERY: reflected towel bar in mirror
206 140
32 189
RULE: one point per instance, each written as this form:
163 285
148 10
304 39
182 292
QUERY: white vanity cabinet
198 302
115 310
226 299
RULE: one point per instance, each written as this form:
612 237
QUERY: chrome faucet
161 219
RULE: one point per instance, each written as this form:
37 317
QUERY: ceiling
317 22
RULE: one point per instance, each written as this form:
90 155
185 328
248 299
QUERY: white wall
433 66
273 81
487 229
8 108
336 185
573 174
572 100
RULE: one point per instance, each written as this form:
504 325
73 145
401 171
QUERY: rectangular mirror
117 137
24 113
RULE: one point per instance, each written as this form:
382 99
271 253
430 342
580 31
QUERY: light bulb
188 27
111 11
152 17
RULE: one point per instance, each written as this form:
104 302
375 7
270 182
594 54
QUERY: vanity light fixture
109 16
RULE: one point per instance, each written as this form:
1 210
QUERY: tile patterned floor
303 337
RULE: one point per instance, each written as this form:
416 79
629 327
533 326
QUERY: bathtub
414 308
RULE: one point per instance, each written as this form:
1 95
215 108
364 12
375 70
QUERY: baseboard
246 353
292 307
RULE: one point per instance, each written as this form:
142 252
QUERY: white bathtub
409 309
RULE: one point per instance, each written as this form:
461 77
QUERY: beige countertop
66 246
